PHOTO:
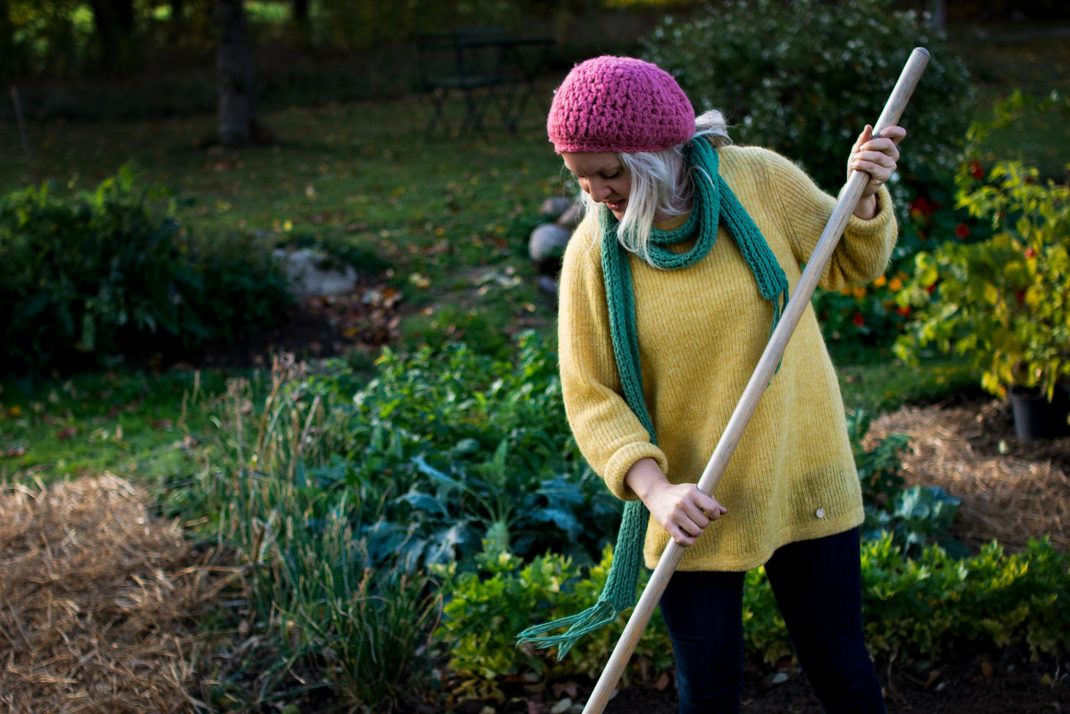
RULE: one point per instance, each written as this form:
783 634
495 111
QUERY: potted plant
1004 303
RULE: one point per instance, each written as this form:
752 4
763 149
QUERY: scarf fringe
601 613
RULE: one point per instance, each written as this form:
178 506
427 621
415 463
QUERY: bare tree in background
236 78
115 23
7 39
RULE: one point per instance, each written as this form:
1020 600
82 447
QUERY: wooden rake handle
763 373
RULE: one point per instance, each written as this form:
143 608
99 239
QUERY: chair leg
473 118
438 112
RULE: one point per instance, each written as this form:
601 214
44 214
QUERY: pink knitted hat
619 104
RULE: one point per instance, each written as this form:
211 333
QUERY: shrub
915 609
1001 303
805 77
98 276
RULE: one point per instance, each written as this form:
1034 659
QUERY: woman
669 291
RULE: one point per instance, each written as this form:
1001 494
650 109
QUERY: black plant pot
1037 418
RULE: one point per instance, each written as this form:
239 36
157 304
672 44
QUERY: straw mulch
96 601
1011 490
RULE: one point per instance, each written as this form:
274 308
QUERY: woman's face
602 177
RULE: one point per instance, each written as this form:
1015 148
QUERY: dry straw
97 601
1011 491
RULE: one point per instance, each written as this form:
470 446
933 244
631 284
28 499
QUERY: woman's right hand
682 509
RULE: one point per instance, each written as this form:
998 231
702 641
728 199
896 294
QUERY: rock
310 273
547 242
547 285
554 206
571 217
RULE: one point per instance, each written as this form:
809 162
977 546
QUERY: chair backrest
462 58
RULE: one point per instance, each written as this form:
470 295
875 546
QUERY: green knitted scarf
712 201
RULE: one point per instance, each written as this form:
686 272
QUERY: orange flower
895 284
880 282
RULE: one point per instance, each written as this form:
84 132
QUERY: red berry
1030 253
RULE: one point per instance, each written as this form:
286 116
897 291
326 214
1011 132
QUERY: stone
547 242
571 217
554 206
311 273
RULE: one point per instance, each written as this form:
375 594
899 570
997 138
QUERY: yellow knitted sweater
701 332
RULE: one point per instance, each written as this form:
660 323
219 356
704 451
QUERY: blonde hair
661 186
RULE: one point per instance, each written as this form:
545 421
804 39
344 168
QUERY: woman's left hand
876 156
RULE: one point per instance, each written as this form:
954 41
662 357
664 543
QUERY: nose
598 190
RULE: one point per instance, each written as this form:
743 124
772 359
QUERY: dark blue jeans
818 587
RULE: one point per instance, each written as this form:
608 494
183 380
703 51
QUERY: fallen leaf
986 669
162 424
933 676
64 434
663 682
15 452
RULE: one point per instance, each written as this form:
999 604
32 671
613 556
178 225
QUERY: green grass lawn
134 424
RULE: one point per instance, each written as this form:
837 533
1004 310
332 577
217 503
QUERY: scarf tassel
601 613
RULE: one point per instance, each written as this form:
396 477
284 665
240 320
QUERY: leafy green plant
475 447
921 608
916 609
98 276
1001 303
485 609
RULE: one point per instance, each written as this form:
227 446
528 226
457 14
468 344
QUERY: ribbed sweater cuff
878 225
623 459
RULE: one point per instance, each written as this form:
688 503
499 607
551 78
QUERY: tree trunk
177 26
7 41
114 23
302 26
236 76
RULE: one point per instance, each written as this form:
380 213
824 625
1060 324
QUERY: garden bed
1011 490
136 602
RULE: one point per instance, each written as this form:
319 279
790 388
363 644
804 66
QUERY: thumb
867 134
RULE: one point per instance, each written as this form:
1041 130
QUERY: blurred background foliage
143 58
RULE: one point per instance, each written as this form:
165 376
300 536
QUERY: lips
616 205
